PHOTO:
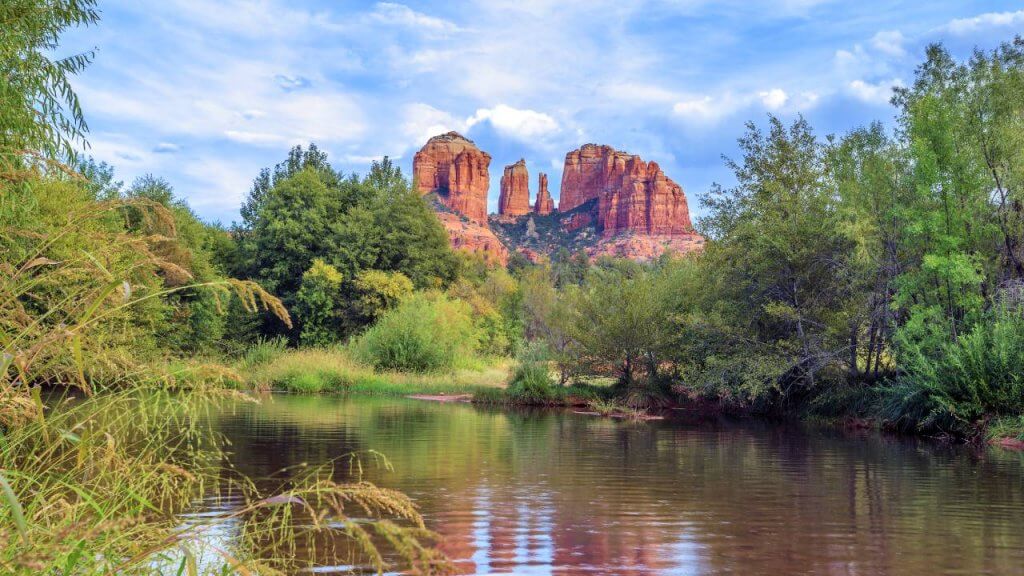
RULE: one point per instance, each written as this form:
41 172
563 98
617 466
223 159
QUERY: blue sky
205 93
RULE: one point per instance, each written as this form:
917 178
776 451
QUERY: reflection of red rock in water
452 166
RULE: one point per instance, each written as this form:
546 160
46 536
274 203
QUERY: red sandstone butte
452 166
544 205
633 195
515 191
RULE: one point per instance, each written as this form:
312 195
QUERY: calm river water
553 492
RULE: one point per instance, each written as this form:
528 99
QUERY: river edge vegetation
875 277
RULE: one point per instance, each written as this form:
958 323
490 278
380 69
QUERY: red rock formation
473 237
452 166
577 221
515 191
544 205
587 173
633 195
644 247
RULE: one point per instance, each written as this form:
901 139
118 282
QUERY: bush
425 333
978 375
531 380
264 351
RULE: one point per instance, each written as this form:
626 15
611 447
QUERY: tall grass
531 381
333 370
94 485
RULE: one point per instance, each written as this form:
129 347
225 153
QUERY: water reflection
559 493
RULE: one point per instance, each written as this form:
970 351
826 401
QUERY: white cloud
289 83
430 60
367 159
401 15
767 9
166 148
702 109
221 184
710 109
240 101
258 138
879 93
986 21
421 121
849 59
889 42
513 122
773 99
806 100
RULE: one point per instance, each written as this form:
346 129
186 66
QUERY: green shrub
317 303
531 380
425 333
977 375
264 351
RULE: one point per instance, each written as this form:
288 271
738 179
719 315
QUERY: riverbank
320 370
487 381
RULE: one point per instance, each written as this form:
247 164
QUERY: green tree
39 110
963 234
305 210
623 322
778 264
377 292
318 302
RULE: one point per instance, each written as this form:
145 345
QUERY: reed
96 486
94 475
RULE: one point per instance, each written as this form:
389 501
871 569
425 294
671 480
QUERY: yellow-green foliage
317 302
83 298
425 333
314 370
380 291
94 486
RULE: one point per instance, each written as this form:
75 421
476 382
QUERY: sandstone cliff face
633 195
452 166
515 191
544 204
630 208
588 171
472 237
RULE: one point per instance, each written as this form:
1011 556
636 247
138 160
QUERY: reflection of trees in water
539 489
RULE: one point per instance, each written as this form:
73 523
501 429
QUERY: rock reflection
559 493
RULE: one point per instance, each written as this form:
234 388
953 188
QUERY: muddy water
542 492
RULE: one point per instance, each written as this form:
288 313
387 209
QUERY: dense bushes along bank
872 275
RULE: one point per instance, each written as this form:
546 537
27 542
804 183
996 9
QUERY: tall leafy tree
39 110
304 210
777 262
